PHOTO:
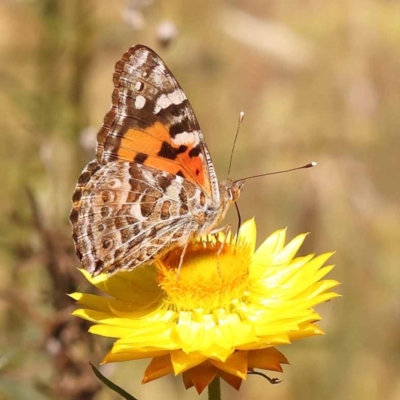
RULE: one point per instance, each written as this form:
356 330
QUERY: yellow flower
221 314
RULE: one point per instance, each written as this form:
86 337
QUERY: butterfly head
230 191
233 190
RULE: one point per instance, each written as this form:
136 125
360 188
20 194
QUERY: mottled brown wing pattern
83 179
151 122
129 214
152 186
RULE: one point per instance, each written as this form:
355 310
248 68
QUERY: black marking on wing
195 151
167 151
180 127
140 158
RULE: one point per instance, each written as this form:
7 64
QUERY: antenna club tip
310 165
241 116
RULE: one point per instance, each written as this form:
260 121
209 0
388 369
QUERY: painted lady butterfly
152 186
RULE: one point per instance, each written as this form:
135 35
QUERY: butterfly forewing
151 122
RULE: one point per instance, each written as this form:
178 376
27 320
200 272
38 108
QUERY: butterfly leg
182 257
225 229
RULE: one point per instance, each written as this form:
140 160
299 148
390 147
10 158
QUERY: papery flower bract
221 314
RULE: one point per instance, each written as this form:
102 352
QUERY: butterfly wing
152 180
130 214
152 123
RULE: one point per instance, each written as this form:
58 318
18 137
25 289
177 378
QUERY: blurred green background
317 81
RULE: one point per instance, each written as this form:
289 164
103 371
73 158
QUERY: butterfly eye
231 194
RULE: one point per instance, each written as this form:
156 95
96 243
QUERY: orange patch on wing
174 167
195 166
150 142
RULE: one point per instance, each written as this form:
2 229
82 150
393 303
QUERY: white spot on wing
186 138
136 212
173 192
140 102
165 100
177 96
139 85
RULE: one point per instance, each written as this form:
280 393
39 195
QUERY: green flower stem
214 389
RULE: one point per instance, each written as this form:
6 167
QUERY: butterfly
152 186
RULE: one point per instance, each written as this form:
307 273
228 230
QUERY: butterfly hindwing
130 213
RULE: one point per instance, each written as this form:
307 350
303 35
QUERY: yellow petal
132 355
182 361
270 247
236 364
233 330
110 331
290 250
92 301
158 339
138 286
309 330
248 234
195 334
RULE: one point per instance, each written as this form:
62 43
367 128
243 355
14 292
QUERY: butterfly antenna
309 165
241 117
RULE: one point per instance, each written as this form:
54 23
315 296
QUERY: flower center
213 275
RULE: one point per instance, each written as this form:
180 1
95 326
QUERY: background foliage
317 81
